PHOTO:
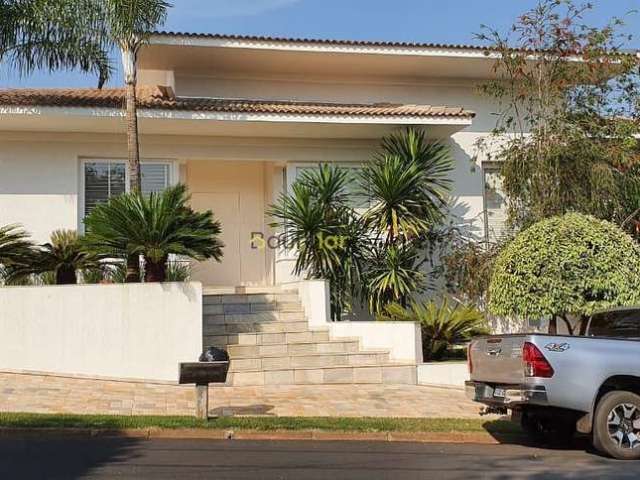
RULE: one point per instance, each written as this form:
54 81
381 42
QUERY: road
191 459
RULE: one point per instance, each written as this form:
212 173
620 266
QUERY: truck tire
548 429
616 426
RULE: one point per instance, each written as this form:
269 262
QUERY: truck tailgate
498 359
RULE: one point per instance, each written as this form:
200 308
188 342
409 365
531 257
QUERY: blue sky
447 21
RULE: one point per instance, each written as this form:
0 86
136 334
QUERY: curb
220 434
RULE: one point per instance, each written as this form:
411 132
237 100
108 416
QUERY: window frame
488 167
173 175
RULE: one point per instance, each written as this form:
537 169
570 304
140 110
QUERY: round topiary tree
570 265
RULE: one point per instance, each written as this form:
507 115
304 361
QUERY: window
616 323
495 204
104 179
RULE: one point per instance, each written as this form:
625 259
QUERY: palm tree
15 248
63 257
316 221
130 23
155 227
393 276
53 35
407 184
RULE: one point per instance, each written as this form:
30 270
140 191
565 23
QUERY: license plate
498 392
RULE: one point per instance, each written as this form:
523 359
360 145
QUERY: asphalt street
38 458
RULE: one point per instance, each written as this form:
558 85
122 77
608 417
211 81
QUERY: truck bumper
506 395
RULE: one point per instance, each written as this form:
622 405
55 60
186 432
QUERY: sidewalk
41 393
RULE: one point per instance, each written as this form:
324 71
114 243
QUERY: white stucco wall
135 331
403 340
443 374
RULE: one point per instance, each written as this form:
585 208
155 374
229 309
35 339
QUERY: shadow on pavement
31 456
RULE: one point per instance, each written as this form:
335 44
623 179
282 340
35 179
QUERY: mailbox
203 373
212 368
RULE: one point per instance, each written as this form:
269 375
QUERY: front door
234 191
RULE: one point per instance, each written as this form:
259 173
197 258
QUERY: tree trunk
66 276
155 272
553 326
132 139
129 58
133 269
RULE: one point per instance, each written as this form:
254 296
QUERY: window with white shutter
104 179
495 204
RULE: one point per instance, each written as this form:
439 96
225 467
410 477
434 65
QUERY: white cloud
185 9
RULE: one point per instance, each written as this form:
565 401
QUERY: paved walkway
20 392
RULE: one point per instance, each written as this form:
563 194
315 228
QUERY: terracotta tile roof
163 98
355 43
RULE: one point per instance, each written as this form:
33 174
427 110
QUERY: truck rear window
617 323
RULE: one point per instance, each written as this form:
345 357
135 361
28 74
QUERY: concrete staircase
269 342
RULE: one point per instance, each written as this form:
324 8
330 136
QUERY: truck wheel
548 430
616 428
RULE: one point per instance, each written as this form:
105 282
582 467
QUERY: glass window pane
155 177
102 180
96 185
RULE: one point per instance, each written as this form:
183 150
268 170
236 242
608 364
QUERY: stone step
391 374
317 360
257 317
293 348
220 311
251 298
253 327
248 290
257 338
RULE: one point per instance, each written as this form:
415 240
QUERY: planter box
129 331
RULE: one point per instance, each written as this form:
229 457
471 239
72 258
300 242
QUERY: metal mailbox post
202 374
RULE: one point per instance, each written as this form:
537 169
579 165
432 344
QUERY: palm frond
154 226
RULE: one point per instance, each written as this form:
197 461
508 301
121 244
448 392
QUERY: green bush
568 265
443 325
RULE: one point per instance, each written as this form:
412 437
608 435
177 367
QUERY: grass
265 424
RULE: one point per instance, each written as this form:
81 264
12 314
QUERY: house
237 118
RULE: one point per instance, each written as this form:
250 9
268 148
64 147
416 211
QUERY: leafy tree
154 227
317 222
53 35
568 108
443 325
570 265
62 258
467 266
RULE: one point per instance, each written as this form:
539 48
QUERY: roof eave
156 113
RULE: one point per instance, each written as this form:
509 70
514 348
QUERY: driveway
191 459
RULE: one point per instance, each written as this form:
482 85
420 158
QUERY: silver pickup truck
555 385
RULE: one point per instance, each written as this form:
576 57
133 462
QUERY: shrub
443 325
58 261
568 265
154 227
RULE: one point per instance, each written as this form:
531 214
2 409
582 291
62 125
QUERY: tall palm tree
130 23
155 227
54 35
